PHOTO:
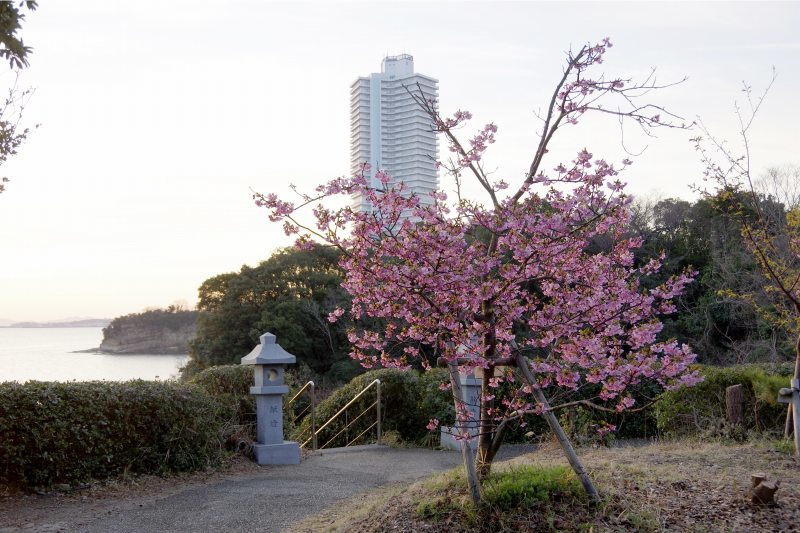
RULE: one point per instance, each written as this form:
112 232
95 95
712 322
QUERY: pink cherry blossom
482 281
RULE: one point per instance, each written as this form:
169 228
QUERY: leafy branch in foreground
16 53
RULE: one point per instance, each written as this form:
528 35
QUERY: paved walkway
271 500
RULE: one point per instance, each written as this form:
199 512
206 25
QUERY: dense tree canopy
722 327
173 317
290 294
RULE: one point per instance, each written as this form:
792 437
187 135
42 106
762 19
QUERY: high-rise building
390 131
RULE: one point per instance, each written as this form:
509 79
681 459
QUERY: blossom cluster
582 315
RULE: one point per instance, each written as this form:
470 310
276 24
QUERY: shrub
400 397
701 409
526 486
435 402
582 423
230 386
72 432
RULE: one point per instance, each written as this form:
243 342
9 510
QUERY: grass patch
781 445
525 486
521 497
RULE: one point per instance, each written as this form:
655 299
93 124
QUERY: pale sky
157 119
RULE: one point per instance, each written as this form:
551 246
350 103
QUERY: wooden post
734 404
791 396
796 415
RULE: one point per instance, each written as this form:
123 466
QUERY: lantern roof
268 352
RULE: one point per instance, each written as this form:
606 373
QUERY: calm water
44 354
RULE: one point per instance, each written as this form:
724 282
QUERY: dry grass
667 486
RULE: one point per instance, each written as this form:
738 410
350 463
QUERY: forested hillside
727 314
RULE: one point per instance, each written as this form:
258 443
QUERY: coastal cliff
161 332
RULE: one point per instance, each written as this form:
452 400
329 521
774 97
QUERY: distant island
84 323
158 332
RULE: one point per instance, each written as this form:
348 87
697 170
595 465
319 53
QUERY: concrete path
267 501
282 495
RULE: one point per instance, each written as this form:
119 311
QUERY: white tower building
390 131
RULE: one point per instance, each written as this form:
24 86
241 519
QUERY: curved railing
312 407
348 423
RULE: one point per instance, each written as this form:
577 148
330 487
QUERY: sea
49 354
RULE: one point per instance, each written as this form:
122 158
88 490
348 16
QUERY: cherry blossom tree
513 285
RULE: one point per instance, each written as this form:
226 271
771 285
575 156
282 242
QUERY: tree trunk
552 421
734 404
466 453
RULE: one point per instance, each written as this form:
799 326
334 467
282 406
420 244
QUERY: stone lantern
270 361
471 392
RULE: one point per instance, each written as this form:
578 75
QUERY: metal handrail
376 403
312 386
360 434
347 427
302 389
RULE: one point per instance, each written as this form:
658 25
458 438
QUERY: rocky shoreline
157 332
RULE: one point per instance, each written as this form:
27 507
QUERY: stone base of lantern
287 453
448 440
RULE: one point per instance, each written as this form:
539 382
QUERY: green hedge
72 432
701 409
230 384
225 379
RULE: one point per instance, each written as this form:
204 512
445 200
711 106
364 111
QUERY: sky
157 120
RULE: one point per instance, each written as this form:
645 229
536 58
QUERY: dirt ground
667 486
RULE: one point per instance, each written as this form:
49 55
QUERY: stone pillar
471 391
269 362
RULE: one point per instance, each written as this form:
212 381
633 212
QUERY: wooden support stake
788 427
555 426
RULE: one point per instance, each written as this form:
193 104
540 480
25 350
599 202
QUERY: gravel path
269 500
